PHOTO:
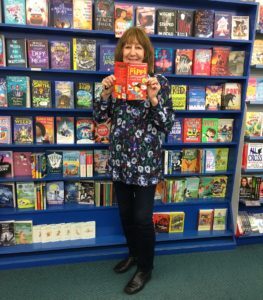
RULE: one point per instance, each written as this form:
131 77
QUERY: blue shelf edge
248 171
260 102
253 138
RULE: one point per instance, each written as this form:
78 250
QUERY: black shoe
137 282
125 264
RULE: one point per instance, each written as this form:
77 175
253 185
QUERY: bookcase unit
109 241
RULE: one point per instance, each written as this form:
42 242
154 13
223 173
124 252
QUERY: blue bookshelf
109 242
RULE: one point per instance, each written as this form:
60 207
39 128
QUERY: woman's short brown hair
129 36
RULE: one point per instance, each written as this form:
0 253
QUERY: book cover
191 187
104 15
86 193
205 219
136 81
84 54
84 95
107 57
3 93
6 164
120 85
196 98
190 160
220 61
88 230
192 128
245 191
161 222
202 62
166 21
222 25
23 232
5 130
44 129
184 25
18 91
37 52
101 158
16 52
14 12
2 51
123 15
253 156
253 125
174 161
37 12
204 23
257 57
145 18
209 130
184 61
61 13
176 224
210 161
213 97
41 93
236 62
175 135
221 159
22 164
163 60
259 91
225 130
64 94
252 90
220 219
23 130
7 232
65 130
85 130
240 28
54 162
231 98
25 194
60 57
71 192
7 195
219 185
98 89
82 14
55 192
71 164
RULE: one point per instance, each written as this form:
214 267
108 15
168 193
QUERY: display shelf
253 238
254 139
200 145
45 111
53 146
213 113
254 102
252 209
190 174
256 67
250 172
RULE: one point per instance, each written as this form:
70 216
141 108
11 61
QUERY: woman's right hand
108 84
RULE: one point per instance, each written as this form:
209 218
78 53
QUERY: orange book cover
120 73
192 129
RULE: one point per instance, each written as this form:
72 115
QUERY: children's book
82 14
145 18
25 194
37 52
41 93
65 130
84 54
84 95
61 13
104 15
166 21
23 130
60 57
163 60
123 18
209 130
5 130
44 130
37 12
179 96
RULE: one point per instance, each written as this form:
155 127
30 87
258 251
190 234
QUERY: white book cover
255 156
37 234
240 28
220 219
89 230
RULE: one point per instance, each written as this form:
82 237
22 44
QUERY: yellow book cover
82 14
176 222
178 95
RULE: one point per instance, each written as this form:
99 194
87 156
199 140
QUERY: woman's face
244 181
123 14
133 52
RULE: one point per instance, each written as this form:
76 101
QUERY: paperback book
6 164
37 12
166 21
5 130
18 91
14 12
85 130
23 130
84 95
107 57
44 130
38 56
60 57
65 130
7 195
123 15
163 60
16 52
104 15
145 18
41 93
61 13
82 14
84 54
64 94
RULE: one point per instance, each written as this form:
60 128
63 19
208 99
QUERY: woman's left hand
153 87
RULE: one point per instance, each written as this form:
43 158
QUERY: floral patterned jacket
136 135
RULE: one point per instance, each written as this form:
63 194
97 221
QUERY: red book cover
22 164
202 62
161 222
120 73
219 65
102 132
192 129
137 81
244 156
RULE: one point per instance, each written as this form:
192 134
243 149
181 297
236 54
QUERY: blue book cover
163 60
196 98
61 13
18 91
14 11
55 192
23 130
175 135
71 165
7 195
107 57
71 192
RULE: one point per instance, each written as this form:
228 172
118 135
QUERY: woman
135 153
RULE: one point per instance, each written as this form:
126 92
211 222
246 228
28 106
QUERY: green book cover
26 194
205 187
209 130
220 218
192 185
23 232
179 195
218 186
41 93
221 160
18 91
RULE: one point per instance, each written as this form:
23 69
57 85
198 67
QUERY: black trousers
136 209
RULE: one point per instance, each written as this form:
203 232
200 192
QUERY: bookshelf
109 241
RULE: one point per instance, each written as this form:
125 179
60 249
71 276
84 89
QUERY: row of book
19 91
183 189
195 160
254 126
118 17
60 163
41 130
252 158
24 232
39 196
251 190
211 97
249 223
255 89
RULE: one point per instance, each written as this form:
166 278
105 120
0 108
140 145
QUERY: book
220 61
2 51
196 98
205 219
3 93
222 25
83 95
184 25
71 164
54 162
64 94
104 15
245 191
202 62
166 21
176 224
18 91
240 28
179 95
7 233
84 54
14 12
102 131
55 192
191 187
71 192
25 195
5 130
7 195
60 57
175 135
41 93
65 130
145 18
259 91
192 128
209 130
190 160
221 162
252 89
204 23
44 130
16 52
225 130
161 222
220 219
253 126
213 97
23 130
101 158
82 14
85 130
252 156
22 164
61 13
231 97
184 61
6 164
257 57
107 57
37 12
37 52
86 193
236 62
163 60
23 232
123 15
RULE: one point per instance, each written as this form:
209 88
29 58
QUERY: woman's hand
107 83
153 87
